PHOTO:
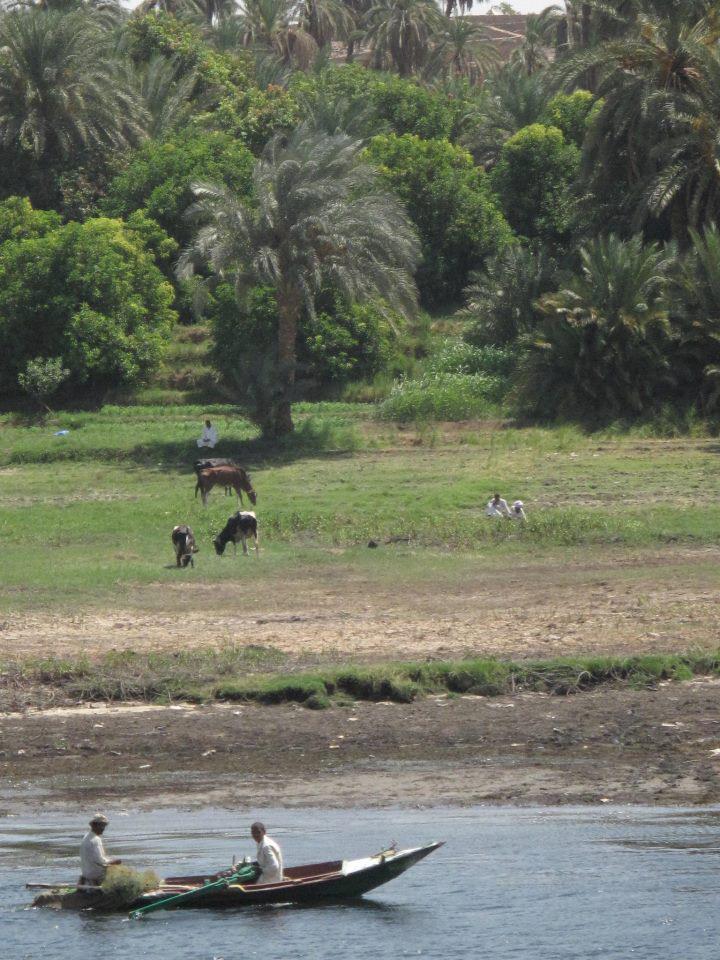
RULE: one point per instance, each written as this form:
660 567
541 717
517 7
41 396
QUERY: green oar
245 873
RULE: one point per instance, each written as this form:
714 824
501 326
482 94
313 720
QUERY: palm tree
403 30
166 94
326 20
60 91
500 300
275 27
540 32
463 50
452 5
603 347
319 217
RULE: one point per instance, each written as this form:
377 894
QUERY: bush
450 202
89 295
443 396
534 178
42 378
457 356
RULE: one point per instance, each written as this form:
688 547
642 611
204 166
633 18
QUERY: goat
240 526
183 540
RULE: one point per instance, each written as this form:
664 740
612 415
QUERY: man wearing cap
269 855
93 861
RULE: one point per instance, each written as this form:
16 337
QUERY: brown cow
234 477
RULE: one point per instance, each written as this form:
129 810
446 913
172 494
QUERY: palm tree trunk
289 304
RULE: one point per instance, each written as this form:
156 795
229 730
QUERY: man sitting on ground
497 507
518 511
209 436
93 861
269 855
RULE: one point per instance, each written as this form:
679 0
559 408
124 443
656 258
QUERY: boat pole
245 873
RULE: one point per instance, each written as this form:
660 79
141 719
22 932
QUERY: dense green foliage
450 202
86 295
525 181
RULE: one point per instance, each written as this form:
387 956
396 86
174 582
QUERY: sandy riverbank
616 744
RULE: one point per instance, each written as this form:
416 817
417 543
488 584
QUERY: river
538 884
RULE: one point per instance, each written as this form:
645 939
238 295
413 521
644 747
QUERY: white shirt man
518 511
93 860
269 855
209 436
497 507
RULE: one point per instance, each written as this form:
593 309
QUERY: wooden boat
309 883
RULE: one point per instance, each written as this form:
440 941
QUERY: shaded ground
615 744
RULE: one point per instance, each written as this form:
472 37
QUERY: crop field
619 555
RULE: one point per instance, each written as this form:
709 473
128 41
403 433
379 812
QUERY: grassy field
619 553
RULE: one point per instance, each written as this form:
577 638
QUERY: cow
234 477
209 462
240 526
183 540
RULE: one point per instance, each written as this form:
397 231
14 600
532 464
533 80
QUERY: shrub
42 378
458 356
442 396
450 202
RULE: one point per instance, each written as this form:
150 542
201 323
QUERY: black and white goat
240 527
183 540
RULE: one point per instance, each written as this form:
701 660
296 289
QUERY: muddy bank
613 744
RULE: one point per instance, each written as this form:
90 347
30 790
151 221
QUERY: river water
539 884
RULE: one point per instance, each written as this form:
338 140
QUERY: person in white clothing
93 861
209 436
497 507
518 511
269 855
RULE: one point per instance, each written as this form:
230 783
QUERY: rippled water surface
537 884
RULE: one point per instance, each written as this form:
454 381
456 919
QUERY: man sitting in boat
93 861
269 855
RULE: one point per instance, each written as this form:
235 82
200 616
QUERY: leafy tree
60 91
451 203
534 178
603 348
159 175
88 294
570 113
501 299
20 221
403 30
320 218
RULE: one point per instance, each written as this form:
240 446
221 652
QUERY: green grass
87 517
233 674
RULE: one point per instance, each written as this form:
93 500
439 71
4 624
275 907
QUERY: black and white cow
183 540
239 527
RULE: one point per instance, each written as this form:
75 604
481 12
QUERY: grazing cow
183 540
240 526
216 462
234 477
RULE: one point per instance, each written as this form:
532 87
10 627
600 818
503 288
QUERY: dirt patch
615 744
661 601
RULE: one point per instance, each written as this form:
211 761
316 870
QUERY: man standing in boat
93 861
269 855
